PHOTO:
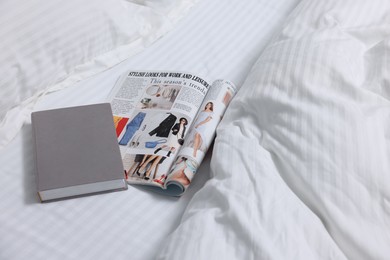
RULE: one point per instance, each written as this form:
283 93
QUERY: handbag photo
152 144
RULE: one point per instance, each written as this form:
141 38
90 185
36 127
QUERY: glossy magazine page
153 114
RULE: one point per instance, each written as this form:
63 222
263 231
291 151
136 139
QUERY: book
76 152
165 122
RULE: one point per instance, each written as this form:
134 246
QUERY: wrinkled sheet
51 45
213 41
301 165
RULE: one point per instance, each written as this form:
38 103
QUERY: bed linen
300 167
212 40
49 45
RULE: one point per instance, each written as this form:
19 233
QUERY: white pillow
48 45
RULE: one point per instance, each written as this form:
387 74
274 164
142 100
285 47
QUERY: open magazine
165 122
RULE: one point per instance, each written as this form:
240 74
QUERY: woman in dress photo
204 117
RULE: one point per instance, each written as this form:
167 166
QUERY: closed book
76 152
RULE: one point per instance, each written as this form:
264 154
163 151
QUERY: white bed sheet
218 39
305 171
49 45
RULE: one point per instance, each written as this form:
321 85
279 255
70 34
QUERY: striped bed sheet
47 46
216 39
300 167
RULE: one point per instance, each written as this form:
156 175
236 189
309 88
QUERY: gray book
76 152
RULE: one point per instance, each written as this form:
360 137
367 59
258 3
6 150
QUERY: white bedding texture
301 162
47 46
211 40
300 167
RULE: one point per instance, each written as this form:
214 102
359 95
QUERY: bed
300 166
305 144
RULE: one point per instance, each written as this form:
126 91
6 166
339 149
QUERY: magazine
165 122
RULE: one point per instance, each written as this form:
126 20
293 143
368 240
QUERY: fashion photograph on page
176 138
127 127
144 167
183 171
148 138
145 131
201 132
159 97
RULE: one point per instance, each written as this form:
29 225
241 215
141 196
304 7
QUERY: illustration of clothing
132 127
120 125
202 129
116 120
166 92
177 133
173 96
164 127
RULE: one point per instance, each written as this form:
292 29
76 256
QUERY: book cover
76 152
